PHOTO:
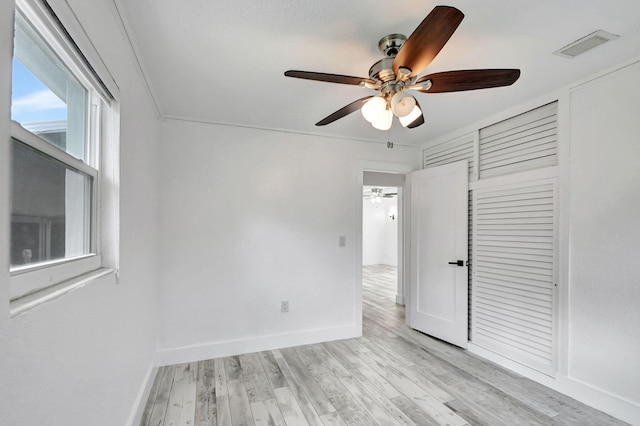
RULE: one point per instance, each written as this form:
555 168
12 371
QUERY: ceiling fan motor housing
382 70
390 45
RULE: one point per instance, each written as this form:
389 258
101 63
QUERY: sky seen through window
31 100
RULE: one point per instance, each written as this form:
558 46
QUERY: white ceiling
223 62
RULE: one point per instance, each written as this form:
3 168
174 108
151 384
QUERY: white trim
384 167
47 276
32 267
40 17
80 37
597 398
26 137
212 350
564 232
109 194
28 302
474 269
357 308
135 416
593 78
333 137
405 231
402 272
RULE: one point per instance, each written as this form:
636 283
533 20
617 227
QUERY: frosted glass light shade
384 120
411 117
373 108
402 104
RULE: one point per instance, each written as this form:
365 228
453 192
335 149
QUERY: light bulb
384 120
372 108
411 117
402 104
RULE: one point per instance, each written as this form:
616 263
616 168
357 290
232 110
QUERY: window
59 112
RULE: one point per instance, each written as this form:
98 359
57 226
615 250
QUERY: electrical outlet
284 306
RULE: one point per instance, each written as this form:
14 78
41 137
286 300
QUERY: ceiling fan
375 195
398 71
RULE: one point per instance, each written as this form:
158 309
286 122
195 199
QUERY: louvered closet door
514 272
524 142
450 152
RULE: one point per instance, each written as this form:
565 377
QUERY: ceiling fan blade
459 81
427 40
346 110
330 78
418 121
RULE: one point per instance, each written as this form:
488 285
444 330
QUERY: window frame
45 278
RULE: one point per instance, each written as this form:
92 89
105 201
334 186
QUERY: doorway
428 284
380 238
382 231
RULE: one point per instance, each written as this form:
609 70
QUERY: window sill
23 304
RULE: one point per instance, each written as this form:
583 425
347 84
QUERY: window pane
50 208
46 98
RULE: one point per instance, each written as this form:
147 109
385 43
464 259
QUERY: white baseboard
143 395
257 344
600 399
399 299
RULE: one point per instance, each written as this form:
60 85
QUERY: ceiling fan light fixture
373 108
411 117
384 120
402 104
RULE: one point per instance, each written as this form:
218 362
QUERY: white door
438 297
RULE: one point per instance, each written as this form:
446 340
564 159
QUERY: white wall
250 218
604 302
379 233
82 359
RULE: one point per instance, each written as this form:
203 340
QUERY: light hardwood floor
391 376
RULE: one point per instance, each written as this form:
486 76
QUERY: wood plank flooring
392 375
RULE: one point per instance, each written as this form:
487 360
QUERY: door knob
457 262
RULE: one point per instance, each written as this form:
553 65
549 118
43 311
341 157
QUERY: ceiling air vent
585 43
